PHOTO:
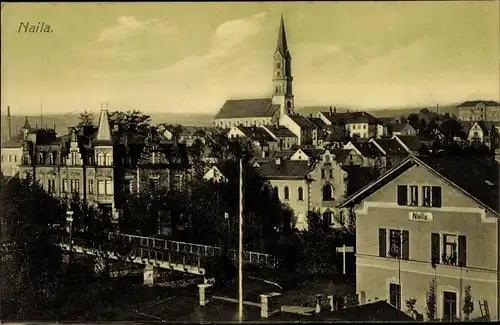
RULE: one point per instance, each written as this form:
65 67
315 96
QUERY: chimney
8 120
331 111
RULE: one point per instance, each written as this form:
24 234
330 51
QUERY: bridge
160 253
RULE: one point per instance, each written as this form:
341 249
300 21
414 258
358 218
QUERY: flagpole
240 248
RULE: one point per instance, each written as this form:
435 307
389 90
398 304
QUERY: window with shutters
394 243
286 193
395 295
426 196
414 195
402 195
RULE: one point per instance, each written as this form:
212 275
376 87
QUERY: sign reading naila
420 216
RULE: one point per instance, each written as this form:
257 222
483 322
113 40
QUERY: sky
191 57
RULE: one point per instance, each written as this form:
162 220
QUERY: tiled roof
390 146
366 149
255 133
350 117
318 122
313 153
479 176
302 121
286 169
281 131
240 108
487 125
475 102
340 154
413 142
13 143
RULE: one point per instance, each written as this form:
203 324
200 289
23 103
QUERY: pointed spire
26 124
282 46
104 131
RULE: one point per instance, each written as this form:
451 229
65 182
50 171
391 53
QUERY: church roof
103 137
247 108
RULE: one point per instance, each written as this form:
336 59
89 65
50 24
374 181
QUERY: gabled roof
280 131
358 177
471 103
398 127
480 181
487 126
366 148
288 169
239 108
350 117
390 146
255 133
318 122
340 154
412 142
302 121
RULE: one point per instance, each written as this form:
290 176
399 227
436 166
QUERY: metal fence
255 258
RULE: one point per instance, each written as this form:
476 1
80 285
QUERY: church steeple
282 76
282 46
104 131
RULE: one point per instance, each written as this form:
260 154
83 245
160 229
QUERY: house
392 149
370 153
214 174
401 129
479 110
358 124
305 130
269 110
260 138
482 132
12 150
289 179
411 143
430 222
285 138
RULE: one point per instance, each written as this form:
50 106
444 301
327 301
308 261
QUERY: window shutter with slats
402 195
382 242
462 251
406 245
435 249
436 196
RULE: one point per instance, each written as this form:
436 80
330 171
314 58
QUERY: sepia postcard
226 162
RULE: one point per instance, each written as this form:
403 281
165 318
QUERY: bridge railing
255 258
138 252
175 246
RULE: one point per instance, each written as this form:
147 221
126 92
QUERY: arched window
276 192
287 194
328 192
300 193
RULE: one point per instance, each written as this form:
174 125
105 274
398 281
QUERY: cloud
226 42
128 26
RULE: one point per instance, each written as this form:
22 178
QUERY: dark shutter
435 250
462 251
406 245
382 242
436 196
402 195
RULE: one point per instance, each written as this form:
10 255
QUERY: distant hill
62 122
387 112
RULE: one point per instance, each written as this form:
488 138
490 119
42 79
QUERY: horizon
149 56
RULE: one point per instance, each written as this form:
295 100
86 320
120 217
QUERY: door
449 305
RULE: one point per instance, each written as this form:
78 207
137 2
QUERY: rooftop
285 169
471 103
241 108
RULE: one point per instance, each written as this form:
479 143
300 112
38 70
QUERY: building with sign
431 222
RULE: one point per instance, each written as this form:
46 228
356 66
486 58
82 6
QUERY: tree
414 121
410 305
85 119
468 306
430 308
131 121
31 264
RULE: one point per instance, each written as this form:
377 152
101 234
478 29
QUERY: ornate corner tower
282 74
